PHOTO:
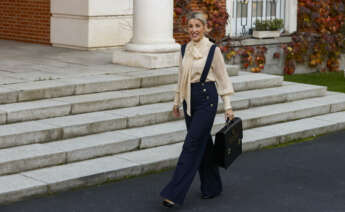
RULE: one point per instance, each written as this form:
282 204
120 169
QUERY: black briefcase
228 143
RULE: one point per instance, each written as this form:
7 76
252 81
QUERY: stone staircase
61 134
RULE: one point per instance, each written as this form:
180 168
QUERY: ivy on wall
216 14
318 43
320 38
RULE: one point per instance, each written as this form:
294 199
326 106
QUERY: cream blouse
191 68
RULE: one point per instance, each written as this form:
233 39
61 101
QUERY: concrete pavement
25 62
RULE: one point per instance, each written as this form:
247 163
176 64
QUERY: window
257 8
246 12
242 9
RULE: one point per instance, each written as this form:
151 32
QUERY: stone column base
146 60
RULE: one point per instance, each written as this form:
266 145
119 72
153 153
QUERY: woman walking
202 77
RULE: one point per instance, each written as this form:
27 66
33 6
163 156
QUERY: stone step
17 159
233 70
45 89
96 122
75 104
99 170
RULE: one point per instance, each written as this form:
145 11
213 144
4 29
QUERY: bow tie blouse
191 68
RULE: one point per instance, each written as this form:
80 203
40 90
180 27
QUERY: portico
152 44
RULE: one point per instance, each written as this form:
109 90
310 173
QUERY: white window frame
287 11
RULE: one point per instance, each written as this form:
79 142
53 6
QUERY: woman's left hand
229 114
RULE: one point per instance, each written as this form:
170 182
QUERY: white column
152 44
230 10
153 27
291 16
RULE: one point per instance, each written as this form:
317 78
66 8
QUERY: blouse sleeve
177 89
223 82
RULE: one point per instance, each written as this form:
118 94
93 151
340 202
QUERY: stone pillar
291 16
91 24
230 10
152 44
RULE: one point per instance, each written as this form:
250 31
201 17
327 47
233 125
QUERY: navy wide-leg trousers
196 152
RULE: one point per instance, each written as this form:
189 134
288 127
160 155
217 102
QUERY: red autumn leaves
216 11
321 35
251 57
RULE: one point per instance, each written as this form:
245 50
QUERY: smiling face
196 29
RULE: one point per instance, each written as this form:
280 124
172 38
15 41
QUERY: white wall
88 24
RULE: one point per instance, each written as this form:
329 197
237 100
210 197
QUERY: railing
244 13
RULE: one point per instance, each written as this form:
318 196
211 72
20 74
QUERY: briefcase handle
228 121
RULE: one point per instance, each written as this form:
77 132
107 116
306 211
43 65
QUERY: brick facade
183 37
25 20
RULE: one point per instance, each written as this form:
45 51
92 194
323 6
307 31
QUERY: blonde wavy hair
202 17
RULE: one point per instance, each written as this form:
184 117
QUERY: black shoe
205 196
167 204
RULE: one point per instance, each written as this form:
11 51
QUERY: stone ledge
268 41
146 60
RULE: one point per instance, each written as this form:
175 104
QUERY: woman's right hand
176 111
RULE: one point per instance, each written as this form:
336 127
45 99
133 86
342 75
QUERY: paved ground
23 62
303 177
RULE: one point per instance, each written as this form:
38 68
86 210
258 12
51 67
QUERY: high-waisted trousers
197 150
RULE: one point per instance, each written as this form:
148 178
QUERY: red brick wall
25 20
183 37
